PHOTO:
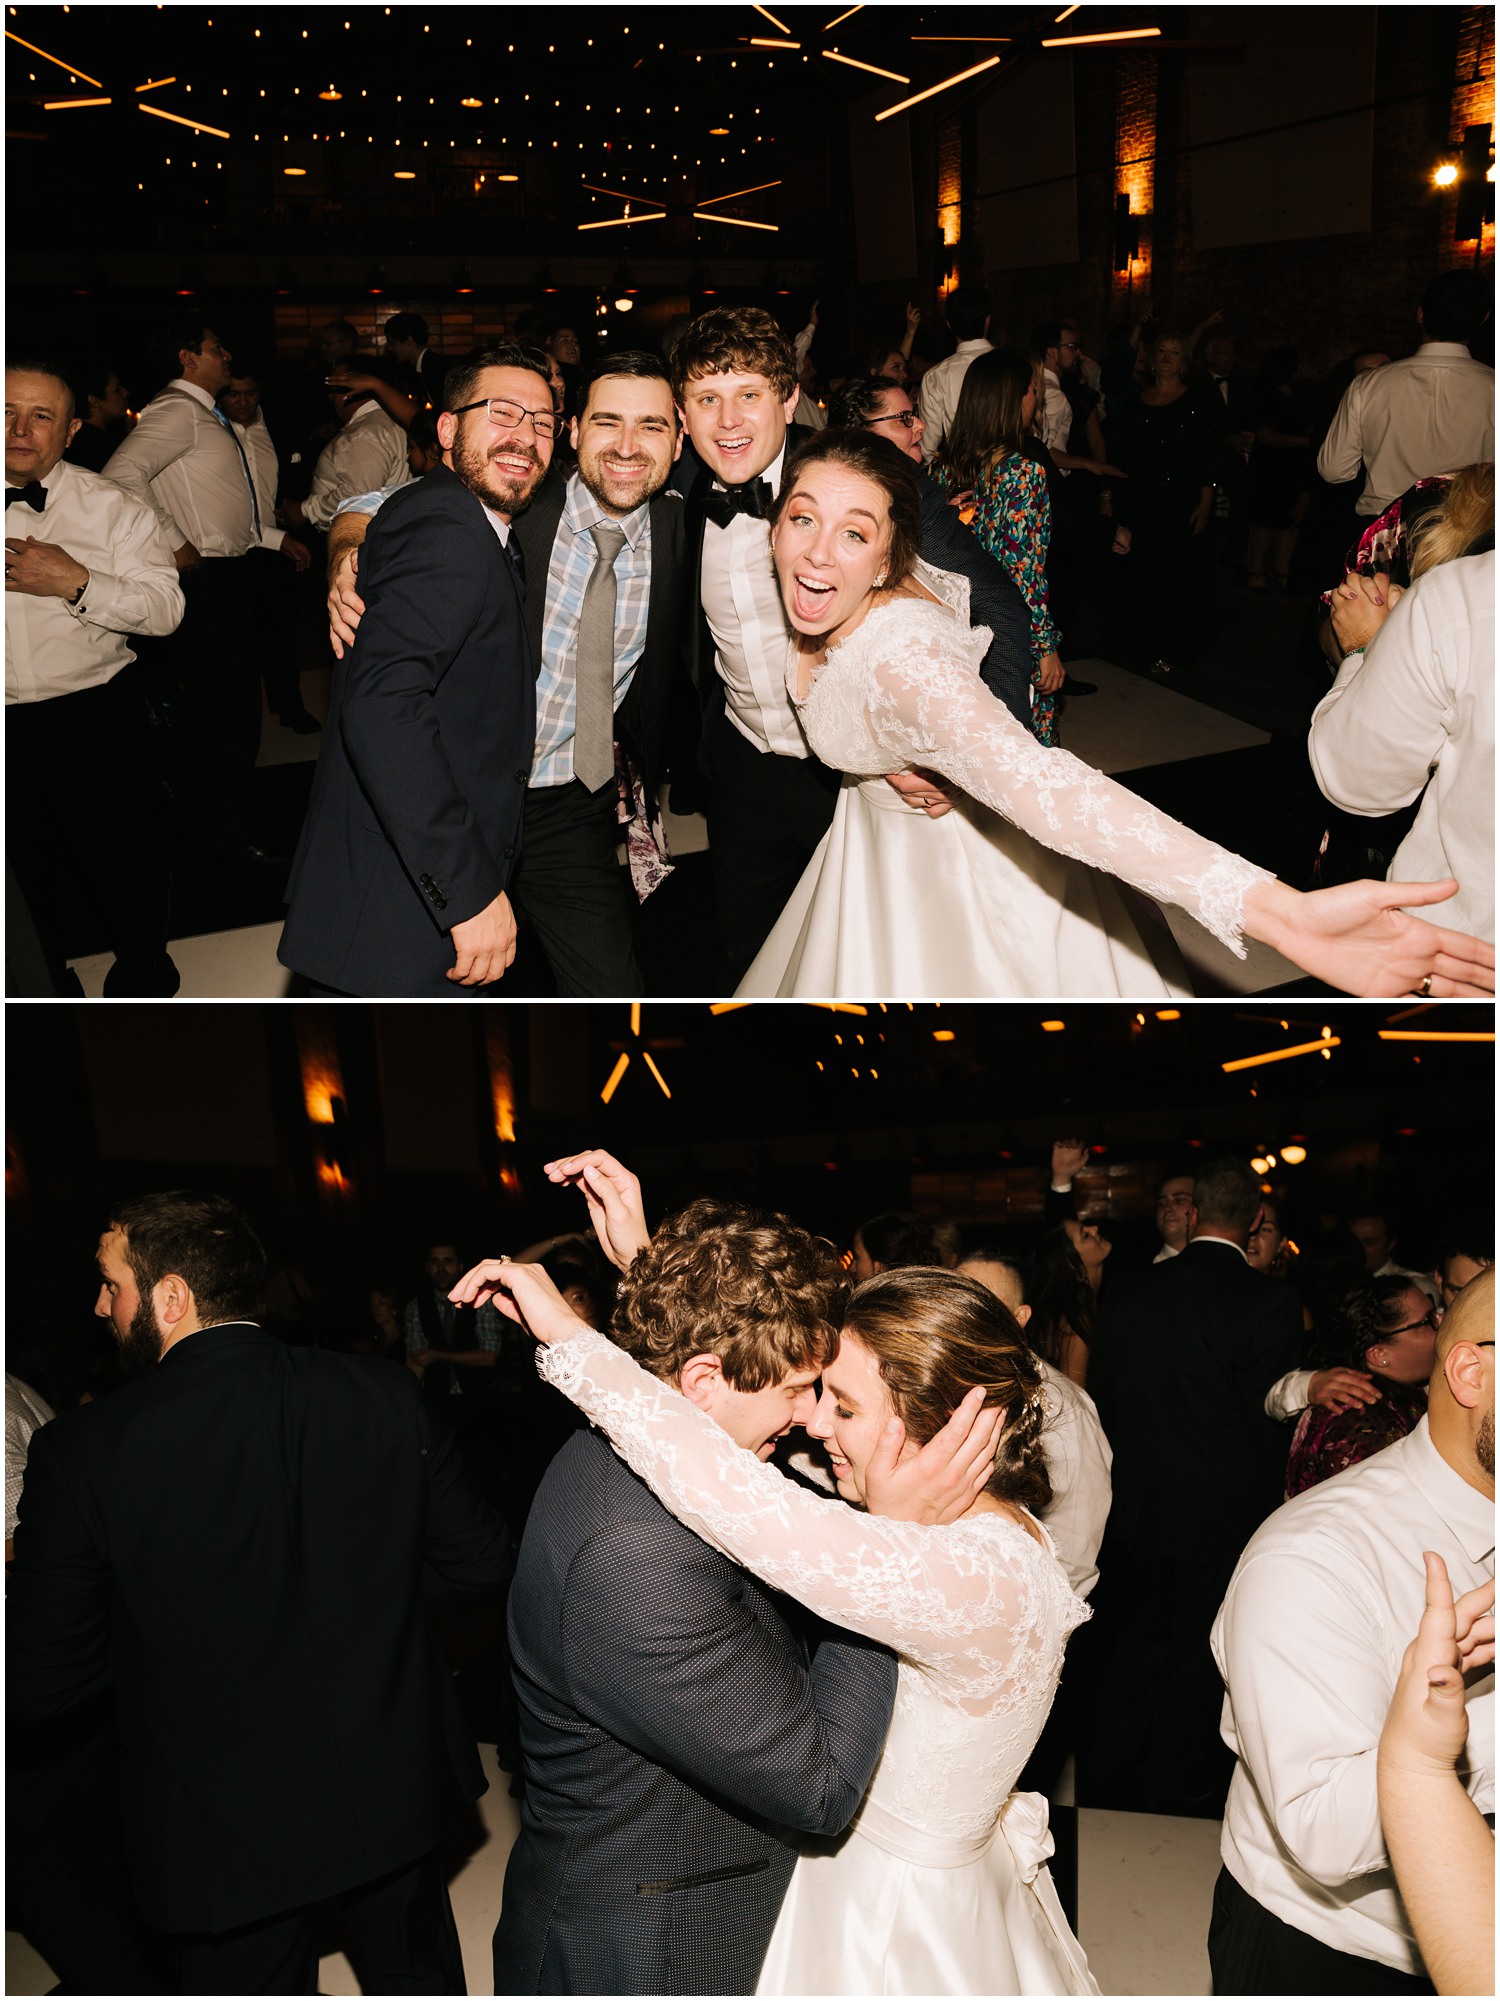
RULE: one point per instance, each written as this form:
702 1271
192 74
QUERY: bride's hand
613 1195
523 1293
1360 937
944 1479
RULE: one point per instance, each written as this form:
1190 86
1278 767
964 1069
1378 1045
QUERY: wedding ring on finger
1424 991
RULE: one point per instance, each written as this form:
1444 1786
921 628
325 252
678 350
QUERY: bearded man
237 1545
413 832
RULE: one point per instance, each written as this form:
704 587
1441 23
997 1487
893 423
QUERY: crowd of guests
163 574
1252 1426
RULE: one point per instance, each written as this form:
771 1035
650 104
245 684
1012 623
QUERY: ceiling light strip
699 216
933 89
71 68
1433 1035
759 188
625 221
156 83
193 124
894 75
617 196
1115 35
74 103
1065 13
842 17
768 15
1281 1055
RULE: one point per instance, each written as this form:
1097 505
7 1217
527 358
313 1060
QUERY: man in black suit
236 1543
412 834
1182 1360
406 338
613 631
674 1729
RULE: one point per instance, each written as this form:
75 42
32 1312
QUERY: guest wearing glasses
414 828
881 404
1388 1327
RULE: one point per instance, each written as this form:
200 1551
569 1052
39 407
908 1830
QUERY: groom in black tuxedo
400 881
677 1731
237 1547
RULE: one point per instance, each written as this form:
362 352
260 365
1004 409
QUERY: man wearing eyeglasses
880 404
400 881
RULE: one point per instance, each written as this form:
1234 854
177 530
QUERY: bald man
1309 1641
1077 1452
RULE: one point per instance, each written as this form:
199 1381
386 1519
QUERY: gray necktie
594 671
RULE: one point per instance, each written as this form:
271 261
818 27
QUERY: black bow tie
34 494
754 497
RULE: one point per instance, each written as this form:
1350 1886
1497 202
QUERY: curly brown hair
723 1279
935 1334
734 339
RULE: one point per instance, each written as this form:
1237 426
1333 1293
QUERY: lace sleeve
928 708
972 1602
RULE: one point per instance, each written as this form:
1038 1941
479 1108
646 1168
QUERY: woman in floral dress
989 452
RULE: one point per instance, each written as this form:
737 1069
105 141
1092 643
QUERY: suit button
522 776
509 853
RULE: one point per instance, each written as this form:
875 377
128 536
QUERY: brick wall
1326 296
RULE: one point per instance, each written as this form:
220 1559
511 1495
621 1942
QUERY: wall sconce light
1127 234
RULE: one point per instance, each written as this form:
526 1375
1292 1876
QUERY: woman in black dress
1165 503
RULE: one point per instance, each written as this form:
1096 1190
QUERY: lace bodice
904 689
980 1610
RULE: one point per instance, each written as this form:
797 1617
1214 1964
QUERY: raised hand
613 1195
523 1293
1428 1723
946 1477
1069 1158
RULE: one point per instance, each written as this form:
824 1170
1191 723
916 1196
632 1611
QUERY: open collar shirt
56 648
1431 413
1321 1608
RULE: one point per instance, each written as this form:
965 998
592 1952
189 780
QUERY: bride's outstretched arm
922 1590
928 707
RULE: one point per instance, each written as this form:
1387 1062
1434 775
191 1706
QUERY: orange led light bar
933 89
759 188
1432 1035
625 221
71 68
1281 1055
699 216
1115 35
193 124
894 75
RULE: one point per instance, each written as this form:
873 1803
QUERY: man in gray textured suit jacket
678 1729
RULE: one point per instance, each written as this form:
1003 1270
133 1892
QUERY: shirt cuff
99 593
272 538
1062 1188
1285 1399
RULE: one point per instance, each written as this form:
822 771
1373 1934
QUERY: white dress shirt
183 461
1078 1459
1431 413
742 603
1309 1639
1423 697
938 395
1166 1251
265 472
25 1413
369 452
54 648
1057 415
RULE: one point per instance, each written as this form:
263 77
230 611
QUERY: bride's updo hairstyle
874 459
722 1279
935 1334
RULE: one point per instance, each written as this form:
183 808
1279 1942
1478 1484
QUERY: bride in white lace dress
1014 892
941 1884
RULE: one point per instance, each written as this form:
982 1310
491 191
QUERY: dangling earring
880 581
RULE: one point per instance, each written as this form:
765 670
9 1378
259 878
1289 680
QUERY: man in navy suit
681 1725
414 827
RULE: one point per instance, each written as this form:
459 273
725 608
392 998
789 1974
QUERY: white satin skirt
894 906
874 1917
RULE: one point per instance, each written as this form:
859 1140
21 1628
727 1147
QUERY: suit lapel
537 529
